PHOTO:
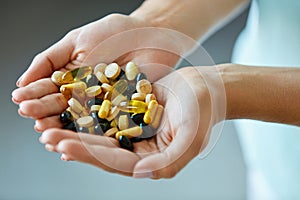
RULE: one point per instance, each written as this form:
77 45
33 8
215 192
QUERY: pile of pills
106 100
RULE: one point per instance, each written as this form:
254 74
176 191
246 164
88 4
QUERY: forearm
263 93
194 18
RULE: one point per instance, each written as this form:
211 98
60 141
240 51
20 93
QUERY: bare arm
269 94
195 18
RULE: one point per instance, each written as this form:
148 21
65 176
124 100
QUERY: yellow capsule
150 113
104 109
130 132
111 132
133 106
77 74
149 97
156 121
77 86
113 123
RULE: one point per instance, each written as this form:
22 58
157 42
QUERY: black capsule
105 126
148 131
72 126
83 130
125 143
138 118
94 101
141 76
136 139
66 117
91 80
98 130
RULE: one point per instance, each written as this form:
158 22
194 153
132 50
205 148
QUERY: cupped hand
188 118
115 37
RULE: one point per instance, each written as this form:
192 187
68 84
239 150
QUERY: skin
187 122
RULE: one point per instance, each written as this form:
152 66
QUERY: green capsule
77 74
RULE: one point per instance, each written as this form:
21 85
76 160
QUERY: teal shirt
272 38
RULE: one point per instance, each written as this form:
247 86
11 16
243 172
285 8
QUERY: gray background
28 171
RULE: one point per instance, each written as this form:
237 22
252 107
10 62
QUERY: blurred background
28 171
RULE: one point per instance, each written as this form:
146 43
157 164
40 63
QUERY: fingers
46 106
34 90
48 61
54 136
46 123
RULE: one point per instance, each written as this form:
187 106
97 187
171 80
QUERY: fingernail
64 157
49 147
142 174
19 80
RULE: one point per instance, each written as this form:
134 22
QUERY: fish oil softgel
108 101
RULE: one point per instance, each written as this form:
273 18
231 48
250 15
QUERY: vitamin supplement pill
119 87
123 122
100 68
118 99
84 112
113 113
131 71
77 86
104 109
72 126
66 117
157 117
91 80
93 91
133 109
138 118
98 130
144 86
149 97
125 143
76 74
74 114
112 71
121 75
86 121
138 104
150 113
95 108
105 126
106 87
75 105
130 132
138 96
94 101
141 76
57 78
83 130
113 123
101 77
111 132
108 95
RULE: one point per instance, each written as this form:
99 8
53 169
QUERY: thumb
48 61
